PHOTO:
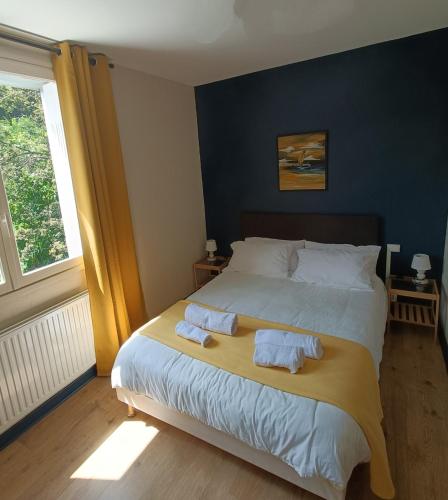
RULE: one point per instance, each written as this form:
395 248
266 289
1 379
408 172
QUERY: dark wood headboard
332 228
354 229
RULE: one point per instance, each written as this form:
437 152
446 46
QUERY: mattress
316 439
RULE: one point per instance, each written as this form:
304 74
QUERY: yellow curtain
93 143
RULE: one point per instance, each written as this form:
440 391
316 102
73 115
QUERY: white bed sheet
316 439
358 315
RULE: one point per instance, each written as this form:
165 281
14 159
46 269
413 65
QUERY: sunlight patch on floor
117 453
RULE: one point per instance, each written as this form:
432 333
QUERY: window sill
46 272
20 304
34 277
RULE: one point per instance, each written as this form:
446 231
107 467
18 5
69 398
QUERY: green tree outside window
28 177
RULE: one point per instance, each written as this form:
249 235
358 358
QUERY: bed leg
131 411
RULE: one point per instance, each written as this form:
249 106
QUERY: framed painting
303 161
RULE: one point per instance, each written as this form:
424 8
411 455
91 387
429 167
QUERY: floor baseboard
32 418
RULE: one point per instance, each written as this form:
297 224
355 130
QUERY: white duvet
316 439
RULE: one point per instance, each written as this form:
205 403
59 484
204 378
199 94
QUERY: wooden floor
67 455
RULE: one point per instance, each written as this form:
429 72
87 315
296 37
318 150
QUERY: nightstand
213 268
419 304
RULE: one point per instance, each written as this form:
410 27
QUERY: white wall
157 121
444 294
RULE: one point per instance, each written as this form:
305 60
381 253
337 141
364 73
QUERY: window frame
9 255
7 286
11 261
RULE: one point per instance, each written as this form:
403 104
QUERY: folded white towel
220 322
191 332
312 346
279 355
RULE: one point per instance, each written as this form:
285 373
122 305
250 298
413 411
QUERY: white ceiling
200 41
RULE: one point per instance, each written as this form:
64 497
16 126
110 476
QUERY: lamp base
420 279
211 257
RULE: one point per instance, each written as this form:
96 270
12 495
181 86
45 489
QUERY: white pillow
293 245
297 243
335 268
372 250
266 260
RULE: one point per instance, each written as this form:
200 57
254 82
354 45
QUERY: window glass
36 177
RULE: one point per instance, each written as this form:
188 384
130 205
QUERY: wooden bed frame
322 228
354 229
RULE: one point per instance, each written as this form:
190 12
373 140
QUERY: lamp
211 248
421 263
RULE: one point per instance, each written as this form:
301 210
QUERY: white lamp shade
421 262
210 246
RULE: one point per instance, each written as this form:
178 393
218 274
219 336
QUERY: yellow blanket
344 377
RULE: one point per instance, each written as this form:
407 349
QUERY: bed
312 444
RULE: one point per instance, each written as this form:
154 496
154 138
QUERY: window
38 223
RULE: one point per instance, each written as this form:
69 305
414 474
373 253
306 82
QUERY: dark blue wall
386 109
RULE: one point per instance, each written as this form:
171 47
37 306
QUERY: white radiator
40 356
